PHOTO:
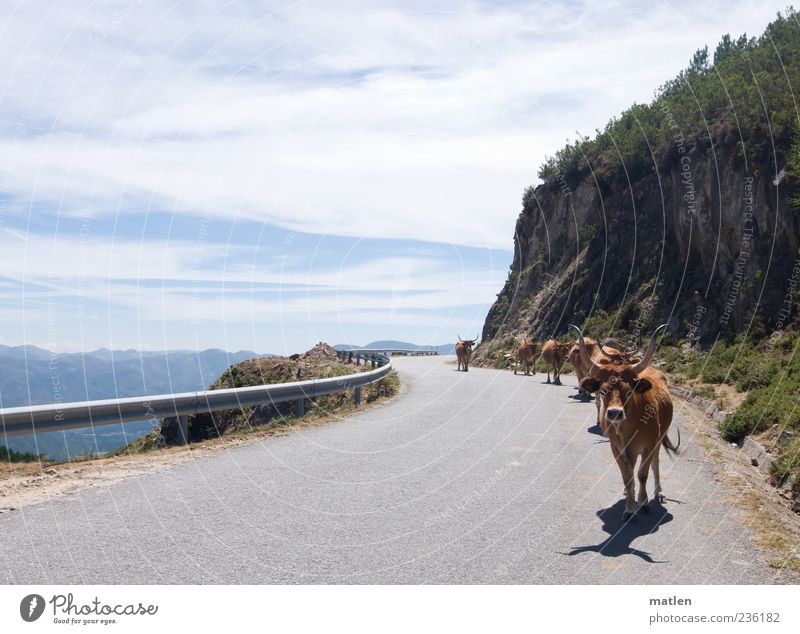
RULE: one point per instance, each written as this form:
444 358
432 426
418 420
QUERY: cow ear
590 385
642 385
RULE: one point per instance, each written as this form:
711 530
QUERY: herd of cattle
634 406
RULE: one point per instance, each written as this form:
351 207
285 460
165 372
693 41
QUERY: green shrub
9 455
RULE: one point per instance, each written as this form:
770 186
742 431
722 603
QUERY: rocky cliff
706 243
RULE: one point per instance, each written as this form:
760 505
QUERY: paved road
483 477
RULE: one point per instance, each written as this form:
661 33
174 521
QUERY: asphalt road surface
479 477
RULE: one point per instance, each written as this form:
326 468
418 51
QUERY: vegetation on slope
723 97
767 371
9 455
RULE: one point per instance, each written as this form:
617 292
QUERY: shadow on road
595 429
621 535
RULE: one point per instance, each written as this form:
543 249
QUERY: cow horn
585 358
651 350
459 338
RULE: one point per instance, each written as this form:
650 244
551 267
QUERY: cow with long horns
464 352
635 413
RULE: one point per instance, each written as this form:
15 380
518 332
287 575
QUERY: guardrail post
358 396
299 407
183 427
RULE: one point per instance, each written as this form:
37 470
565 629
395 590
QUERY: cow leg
556 376
658 495
644 471
548 375
626 471
626 468
516 365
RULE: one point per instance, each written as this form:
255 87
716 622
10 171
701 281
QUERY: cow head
615 387
562 347
574 354
615 383
467 344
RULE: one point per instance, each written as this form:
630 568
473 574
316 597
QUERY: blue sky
267 175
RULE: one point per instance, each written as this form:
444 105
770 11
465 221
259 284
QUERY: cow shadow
595 429
622 534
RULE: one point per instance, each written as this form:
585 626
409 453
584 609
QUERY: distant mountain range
33 376
446 348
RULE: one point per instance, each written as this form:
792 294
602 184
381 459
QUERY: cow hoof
548 381
627 516
556 382
645 508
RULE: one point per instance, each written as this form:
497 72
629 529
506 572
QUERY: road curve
479 477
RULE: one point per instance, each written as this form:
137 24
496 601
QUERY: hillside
684 211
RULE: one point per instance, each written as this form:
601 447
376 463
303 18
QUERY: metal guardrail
64 416
428 350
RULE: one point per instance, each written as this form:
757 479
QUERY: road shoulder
775 527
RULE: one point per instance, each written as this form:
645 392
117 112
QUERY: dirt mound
320 353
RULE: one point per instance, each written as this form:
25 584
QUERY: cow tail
667 443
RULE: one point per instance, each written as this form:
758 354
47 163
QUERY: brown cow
635 414
554 354
597 353
464 352
526 356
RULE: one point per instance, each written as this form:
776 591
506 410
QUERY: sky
267 175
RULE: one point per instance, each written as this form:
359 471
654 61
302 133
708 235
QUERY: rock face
704 242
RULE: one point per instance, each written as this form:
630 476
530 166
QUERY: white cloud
350 119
